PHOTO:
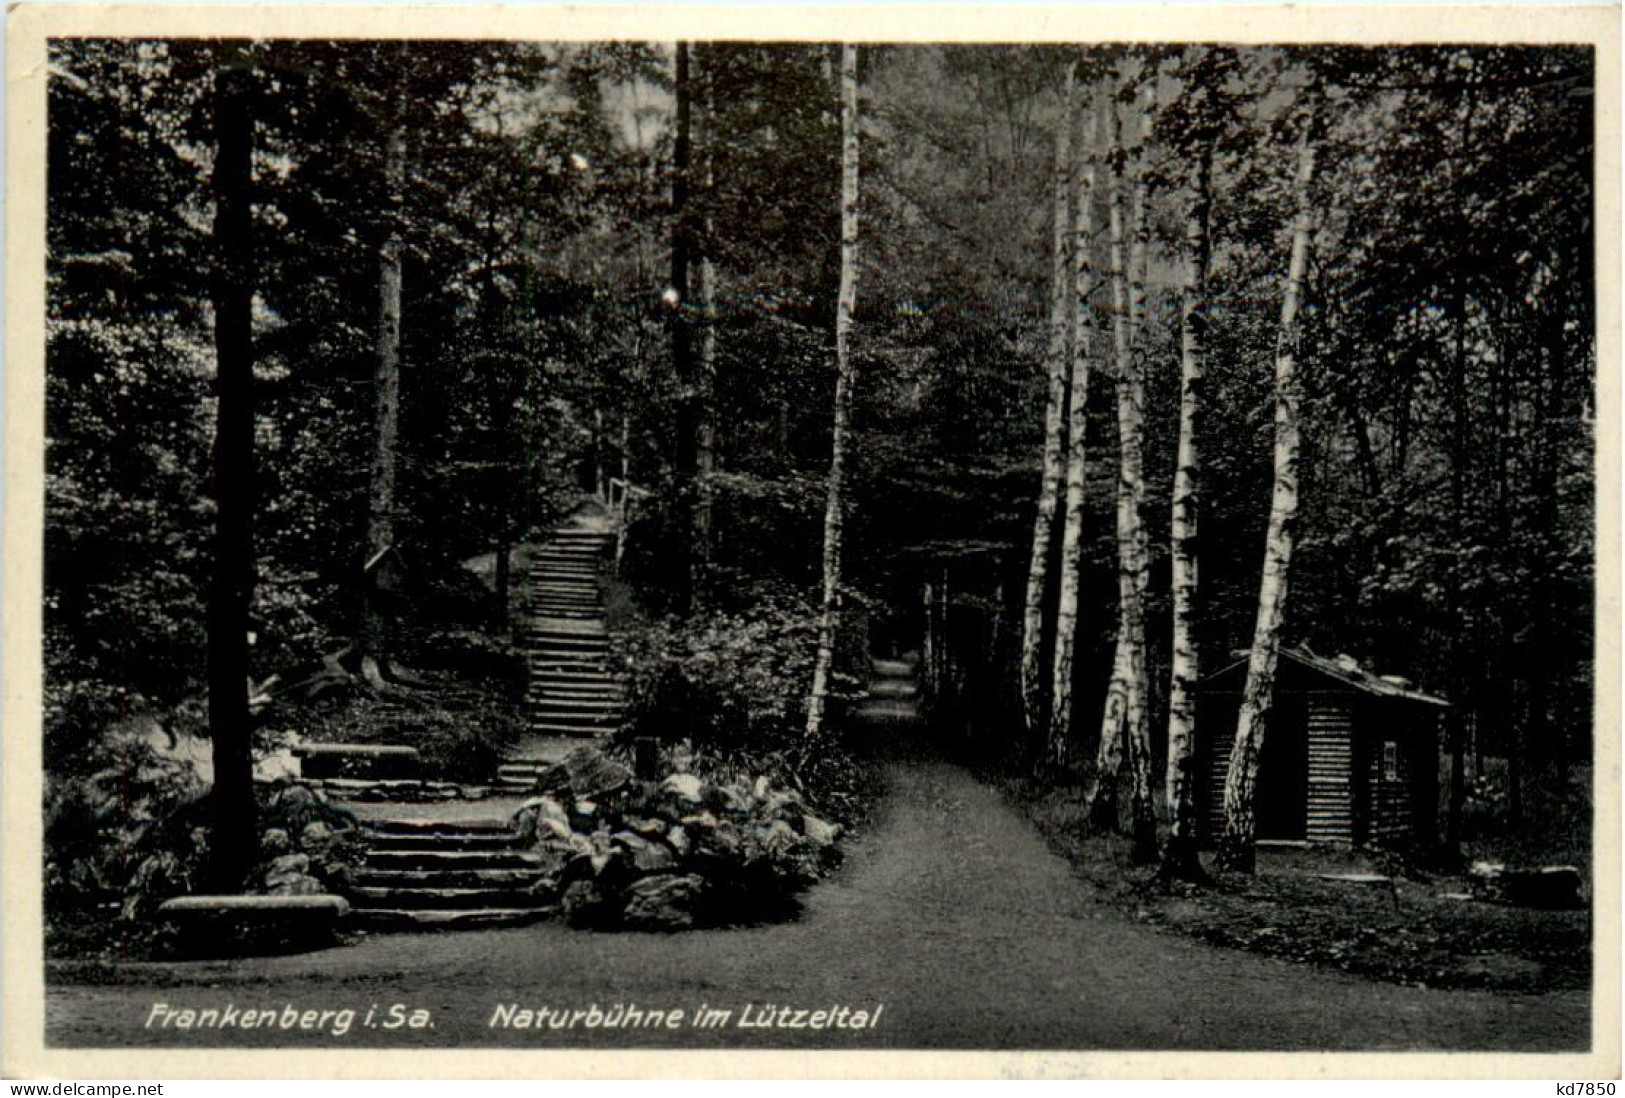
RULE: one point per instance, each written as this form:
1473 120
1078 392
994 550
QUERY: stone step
543 663
893 688
570 729
567 630
593 722
450 825
578 688
487 843
449 878
380 918
539 641
565 714
453 860
595 704
441 898
889 709
901 669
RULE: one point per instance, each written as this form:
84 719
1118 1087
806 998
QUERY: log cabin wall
1330 808
1385 758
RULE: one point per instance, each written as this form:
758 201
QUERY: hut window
1390 761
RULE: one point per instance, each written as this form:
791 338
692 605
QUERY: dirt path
951 912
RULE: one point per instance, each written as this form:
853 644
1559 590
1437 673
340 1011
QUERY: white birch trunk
1066 613
1100 794
1137 714
845 302
1180 858
1236 850
1049 489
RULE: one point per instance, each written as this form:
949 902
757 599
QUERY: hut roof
1346 671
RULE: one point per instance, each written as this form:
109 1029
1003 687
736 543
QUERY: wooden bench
234 923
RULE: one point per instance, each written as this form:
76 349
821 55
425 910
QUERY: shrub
727 680
683 852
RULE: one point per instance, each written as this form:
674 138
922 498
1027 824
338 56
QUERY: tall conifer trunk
1049 488
1236 850
1180 855
845 379
386 390
682 334
705 381
234 840
1082 292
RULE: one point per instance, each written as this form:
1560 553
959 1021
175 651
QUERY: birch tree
1082 291
845 379
1049 488
1179 856
1137 711
1236 850
1124 728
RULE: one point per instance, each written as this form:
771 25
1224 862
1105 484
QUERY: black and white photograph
828 543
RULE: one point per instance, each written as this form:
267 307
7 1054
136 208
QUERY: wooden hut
1348 757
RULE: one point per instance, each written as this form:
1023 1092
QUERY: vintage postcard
846 541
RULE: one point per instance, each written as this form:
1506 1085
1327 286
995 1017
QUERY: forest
1090 369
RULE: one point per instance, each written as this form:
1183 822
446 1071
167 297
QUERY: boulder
820 832
593 774
687 786
275 842
663 902
648 856
316 836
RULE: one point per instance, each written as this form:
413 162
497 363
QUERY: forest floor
950 912
1411 929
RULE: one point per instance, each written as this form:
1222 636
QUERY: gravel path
950 912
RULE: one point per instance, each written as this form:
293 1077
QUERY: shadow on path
950 911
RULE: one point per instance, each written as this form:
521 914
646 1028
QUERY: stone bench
236 923
357 760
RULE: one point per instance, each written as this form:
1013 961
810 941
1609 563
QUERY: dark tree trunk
235 839
386 394
504 582
682 333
